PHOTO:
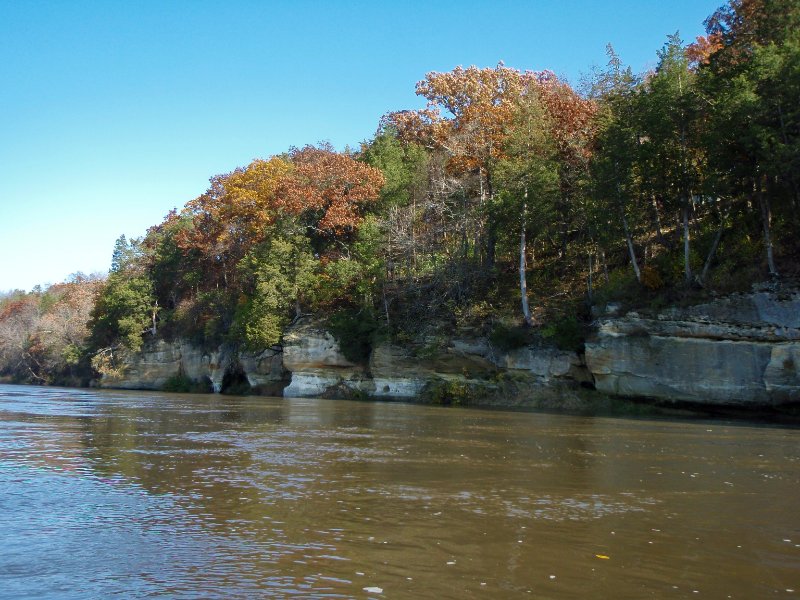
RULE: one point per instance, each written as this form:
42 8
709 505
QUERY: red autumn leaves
326 189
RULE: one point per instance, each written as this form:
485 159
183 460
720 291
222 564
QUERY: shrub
651 278
566 333
508 338
355 331
449 393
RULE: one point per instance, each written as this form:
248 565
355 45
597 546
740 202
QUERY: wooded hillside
512 203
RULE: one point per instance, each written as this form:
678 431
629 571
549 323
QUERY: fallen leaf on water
603 556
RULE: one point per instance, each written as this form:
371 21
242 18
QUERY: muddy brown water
137 495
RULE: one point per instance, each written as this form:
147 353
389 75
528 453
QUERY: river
133 495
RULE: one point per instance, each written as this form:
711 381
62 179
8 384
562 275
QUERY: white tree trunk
523 267
631 249
766 217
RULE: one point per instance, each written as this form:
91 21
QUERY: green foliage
739 265
72 354
212 316
454 392
507 338
368 255
176 272
281 270
717 140
355 331
123 312
566 332
126 254
403 167
674 264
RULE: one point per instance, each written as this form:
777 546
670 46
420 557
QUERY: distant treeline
513 201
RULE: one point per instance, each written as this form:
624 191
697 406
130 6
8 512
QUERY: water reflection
129 494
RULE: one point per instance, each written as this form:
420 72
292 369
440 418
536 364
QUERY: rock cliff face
319 368
316 363
742 350
264 370
159 361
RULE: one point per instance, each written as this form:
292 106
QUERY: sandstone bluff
742 350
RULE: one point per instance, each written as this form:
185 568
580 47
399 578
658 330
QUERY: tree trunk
631 250
153 313
413 234
766 217
657 221
712 253
589 291
386 307
715 244
687 267
464 243
523 268
628 237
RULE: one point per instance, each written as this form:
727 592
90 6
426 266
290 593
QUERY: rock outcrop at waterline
467 363
742 350
159 361
317 365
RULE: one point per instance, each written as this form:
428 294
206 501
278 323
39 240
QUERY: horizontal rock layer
742 350
159 361
318 366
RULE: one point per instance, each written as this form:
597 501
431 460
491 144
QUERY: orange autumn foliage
572 118
482 104
699 52
234 213
329 183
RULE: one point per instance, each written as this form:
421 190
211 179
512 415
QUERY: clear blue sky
112 113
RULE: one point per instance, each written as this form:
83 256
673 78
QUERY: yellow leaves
602 557
232 215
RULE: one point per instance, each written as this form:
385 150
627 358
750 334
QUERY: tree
403 166
400 211
572 128
616 158
127 254
43 334
19 318
328 189
122 314
232 216
529 179
481 105
670 140
279 271
752 81
58 344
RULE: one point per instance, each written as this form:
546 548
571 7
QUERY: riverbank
740 353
